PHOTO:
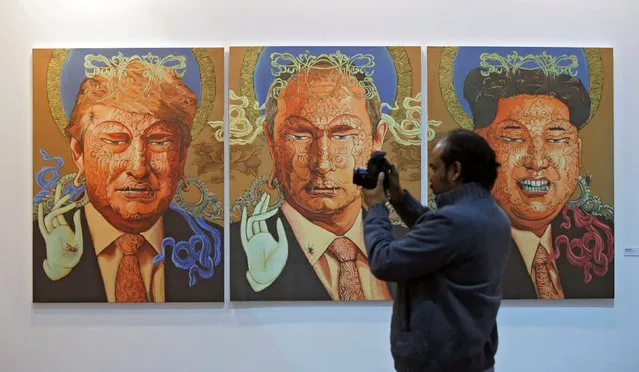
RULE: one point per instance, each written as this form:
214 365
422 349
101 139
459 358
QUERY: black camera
367 176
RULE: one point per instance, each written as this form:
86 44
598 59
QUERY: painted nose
138 164
536 156
323 163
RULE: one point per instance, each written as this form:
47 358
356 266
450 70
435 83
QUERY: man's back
469 289
448 292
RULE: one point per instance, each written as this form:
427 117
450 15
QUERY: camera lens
359 176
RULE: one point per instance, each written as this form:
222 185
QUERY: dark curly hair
483 93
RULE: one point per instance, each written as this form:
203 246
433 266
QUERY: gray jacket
448 269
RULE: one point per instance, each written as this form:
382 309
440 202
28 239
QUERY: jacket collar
464 192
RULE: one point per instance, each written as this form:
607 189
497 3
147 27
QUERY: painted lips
533 186
139 193
322 189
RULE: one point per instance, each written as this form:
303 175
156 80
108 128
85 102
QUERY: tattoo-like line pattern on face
539 152
319 138
132 165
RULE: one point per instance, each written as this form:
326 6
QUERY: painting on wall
548 114
301 120
128 175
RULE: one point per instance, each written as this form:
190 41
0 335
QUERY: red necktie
129 286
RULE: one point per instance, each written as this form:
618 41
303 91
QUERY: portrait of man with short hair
309 117
116 211
547 113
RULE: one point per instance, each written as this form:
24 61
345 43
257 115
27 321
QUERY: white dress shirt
315 240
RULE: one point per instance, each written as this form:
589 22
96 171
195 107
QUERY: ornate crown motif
153 68
357 64
551 66
242 131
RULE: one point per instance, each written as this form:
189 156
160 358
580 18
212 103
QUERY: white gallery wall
571 336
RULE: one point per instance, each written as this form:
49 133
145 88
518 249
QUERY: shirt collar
314 240
527 242
470 190
103 233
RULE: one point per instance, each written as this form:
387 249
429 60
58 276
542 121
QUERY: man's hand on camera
395 189
376 195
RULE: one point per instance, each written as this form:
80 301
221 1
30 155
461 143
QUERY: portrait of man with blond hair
113 233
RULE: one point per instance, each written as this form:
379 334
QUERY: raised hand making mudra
266 256
64 246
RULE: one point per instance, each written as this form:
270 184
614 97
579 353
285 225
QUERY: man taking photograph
449 266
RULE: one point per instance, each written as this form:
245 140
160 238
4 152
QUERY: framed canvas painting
548 114
301 120
128 175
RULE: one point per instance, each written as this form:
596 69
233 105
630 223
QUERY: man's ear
579 158
184 149
271 149
267 134
455 171
77 151
378 136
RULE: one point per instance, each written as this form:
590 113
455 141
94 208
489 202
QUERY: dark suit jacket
298 280
84 282
517 284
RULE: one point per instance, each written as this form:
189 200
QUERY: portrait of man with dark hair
532 106
297 221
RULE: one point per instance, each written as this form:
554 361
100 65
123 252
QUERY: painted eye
342 137
298 137
512 139
161 143
113 142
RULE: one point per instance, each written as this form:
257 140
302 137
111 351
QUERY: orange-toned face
132 164
322 131
540 155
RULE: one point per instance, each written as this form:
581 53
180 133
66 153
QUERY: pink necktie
350 286
546 277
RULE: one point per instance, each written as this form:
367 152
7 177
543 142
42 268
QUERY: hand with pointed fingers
266 257
64 246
